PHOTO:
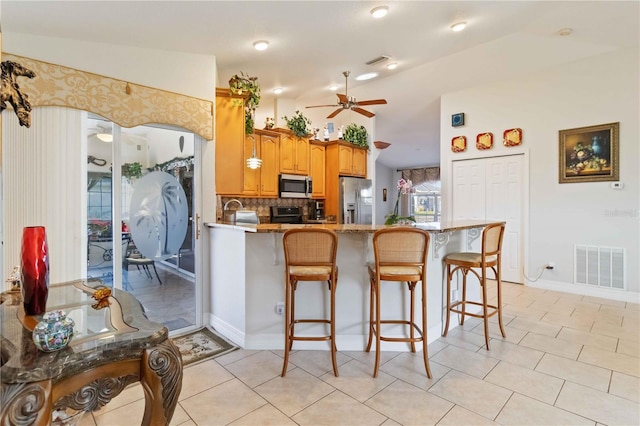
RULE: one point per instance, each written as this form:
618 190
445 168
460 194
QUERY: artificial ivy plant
241 84
298 124
357 135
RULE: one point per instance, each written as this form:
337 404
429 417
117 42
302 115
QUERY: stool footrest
463 310
399 339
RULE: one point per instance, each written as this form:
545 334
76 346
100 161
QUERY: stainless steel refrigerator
355 203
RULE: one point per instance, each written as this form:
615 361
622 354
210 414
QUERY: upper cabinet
294 153
351 159
230 144
263 181
317 168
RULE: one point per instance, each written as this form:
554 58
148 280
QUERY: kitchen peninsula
247 282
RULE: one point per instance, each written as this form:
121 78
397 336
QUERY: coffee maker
316 210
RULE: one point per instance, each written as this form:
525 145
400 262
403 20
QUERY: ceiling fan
346 102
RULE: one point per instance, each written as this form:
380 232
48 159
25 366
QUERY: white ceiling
313 42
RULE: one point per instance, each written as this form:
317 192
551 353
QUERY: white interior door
492 189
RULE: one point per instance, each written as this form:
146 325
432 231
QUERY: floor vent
599 266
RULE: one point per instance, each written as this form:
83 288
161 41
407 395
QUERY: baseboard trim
228 331
586 290
352 342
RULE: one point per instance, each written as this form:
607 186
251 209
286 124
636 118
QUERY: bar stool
400 255
310 255
490 257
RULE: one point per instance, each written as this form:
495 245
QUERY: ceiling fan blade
318 106
342 98
334 113
363 112
373 102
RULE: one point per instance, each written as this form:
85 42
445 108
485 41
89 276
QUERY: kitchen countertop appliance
355 203
285 214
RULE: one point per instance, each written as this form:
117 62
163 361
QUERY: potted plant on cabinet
298 124
238 85
357 135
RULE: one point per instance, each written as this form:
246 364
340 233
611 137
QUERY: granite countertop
446 226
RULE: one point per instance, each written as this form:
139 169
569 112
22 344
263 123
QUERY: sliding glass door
141 200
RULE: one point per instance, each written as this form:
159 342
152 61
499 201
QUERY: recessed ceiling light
392 66
261 44
459 26
333 87
379 12
565 32
367 76
277 90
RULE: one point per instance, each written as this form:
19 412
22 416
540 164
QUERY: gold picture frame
589 154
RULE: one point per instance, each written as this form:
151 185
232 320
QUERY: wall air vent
378 60
599 266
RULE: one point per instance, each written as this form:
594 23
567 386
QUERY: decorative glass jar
54 331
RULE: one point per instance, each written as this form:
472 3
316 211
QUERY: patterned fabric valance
418 176
126 104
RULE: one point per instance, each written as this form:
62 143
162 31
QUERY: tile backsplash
262 205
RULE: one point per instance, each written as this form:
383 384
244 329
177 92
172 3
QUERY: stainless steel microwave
294 186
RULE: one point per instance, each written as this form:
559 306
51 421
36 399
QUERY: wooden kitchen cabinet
351 159
317 169
294 153
230 143
269 153
341 159
263 181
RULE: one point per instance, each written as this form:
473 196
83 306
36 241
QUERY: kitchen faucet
227 215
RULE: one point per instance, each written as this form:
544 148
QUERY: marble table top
104 335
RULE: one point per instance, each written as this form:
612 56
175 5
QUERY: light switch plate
617 185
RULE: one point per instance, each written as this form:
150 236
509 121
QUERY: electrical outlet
454 294
551 265
280 308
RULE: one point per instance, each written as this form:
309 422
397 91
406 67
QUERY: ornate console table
113 345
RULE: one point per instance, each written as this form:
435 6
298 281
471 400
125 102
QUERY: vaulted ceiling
313 42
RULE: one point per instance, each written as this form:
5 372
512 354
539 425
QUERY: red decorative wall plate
459 144
512 137
484 141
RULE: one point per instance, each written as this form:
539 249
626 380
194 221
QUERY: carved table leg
25 404
161 378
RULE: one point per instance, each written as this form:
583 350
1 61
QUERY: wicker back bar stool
400 256
465 262
310 255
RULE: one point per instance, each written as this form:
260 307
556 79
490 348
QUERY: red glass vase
34 267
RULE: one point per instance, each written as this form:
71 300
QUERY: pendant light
254 162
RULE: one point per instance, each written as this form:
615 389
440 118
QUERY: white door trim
447 204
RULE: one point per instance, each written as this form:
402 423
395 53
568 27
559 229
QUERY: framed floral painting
589 154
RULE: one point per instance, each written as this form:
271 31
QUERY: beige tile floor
567 360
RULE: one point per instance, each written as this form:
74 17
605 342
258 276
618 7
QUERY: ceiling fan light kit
347 102
105 137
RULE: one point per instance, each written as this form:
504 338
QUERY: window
426 202
99 197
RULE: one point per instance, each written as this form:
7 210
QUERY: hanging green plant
132 170
357 135
241 84
298 124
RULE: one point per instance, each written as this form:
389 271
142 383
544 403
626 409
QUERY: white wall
384 179
593 91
